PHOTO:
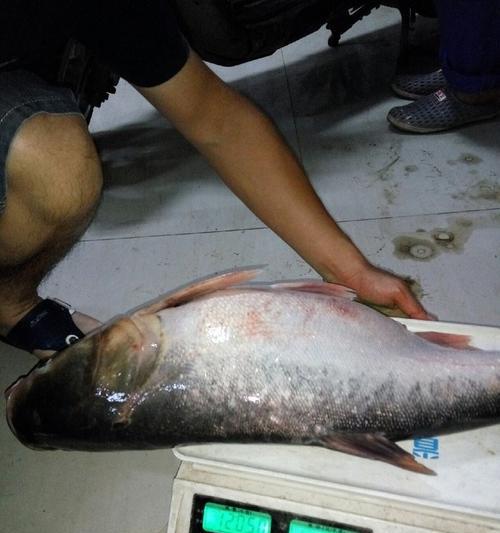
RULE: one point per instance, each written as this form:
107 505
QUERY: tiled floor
166 219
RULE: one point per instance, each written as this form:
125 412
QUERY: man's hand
376 286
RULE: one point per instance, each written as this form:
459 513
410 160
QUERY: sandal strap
48 326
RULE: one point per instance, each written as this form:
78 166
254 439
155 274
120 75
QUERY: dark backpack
230 32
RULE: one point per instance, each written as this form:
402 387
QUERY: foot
440 111
48 327
414 86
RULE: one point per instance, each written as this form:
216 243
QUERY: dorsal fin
317 287
197 289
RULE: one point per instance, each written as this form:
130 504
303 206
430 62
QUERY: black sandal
48 326
439 111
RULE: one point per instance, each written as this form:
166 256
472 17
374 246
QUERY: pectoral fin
450 340
374 446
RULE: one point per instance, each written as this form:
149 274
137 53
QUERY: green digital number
225 519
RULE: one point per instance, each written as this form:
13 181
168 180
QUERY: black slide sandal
48 326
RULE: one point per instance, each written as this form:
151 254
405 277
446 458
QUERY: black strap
48 326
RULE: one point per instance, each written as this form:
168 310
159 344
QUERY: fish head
96 378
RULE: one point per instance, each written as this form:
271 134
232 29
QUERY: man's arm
249 154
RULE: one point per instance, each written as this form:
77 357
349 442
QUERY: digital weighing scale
298 489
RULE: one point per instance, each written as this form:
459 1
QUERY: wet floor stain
466 159
410 168
481 190
392 155
444 238
387 171
486 190
410 247
424 245
390 195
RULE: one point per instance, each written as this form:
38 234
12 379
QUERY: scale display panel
213 515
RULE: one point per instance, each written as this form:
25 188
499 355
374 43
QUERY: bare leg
54 181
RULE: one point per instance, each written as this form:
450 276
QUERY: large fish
294 363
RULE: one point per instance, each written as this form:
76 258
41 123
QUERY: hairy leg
54 182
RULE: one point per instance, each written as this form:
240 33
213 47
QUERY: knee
53 169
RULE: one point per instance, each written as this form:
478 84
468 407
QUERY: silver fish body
280 364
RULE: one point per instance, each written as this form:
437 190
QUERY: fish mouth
24 381
12 392
20 393
82 347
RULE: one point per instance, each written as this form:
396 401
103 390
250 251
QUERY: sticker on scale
426 448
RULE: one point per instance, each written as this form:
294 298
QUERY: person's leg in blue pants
470 44
468 87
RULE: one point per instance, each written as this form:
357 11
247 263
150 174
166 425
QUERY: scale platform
300 489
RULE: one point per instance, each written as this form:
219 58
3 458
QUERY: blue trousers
470 43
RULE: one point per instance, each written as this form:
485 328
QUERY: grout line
401 217
258 228
180 234
297 138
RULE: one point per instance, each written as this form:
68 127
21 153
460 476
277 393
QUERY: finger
411 306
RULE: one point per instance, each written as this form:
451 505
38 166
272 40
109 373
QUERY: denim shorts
23 94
